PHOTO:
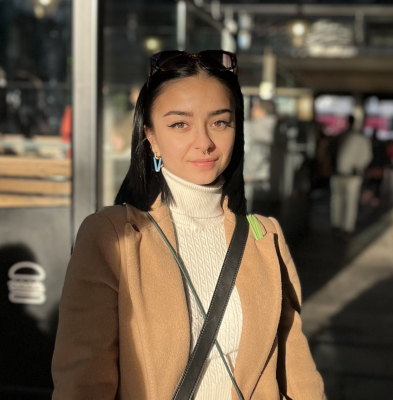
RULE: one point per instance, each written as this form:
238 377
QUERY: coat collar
259 286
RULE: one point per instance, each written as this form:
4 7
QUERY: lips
205 160
205 163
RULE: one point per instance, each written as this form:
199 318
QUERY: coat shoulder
113 218
268 224
117 215
120 215
271 225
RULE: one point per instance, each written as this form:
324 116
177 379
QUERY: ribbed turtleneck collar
195 201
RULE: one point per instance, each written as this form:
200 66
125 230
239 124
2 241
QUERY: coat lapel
160 301
259 286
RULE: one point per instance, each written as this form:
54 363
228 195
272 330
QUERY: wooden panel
15 201
34 186
34 167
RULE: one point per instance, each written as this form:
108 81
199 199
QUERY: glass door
35 188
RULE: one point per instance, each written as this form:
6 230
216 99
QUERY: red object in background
66 128
376 122
335 124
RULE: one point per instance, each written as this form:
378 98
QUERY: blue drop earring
157 165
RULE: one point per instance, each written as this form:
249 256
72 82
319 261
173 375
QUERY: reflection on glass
35 104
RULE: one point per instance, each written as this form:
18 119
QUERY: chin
206 178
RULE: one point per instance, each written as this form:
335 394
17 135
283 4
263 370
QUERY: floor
348 303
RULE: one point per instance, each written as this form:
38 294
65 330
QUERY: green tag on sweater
255 226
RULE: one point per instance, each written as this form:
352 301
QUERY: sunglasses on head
217 60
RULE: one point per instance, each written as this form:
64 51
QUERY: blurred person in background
351 153
389 151
128 322
375 172
323 168
259 138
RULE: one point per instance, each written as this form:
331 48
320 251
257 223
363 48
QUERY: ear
151 137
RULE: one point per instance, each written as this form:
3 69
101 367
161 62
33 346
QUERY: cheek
225 145
171 146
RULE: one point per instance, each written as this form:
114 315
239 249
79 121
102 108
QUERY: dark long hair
142 184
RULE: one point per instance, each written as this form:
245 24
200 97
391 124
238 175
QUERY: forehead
201 92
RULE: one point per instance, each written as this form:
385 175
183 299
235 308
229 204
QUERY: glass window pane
35 188
35 104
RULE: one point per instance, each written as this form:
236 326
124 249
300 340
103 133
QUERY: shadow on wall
26 352
354 352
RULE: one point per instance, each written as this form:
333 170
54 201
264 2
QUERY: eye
178 125
222 124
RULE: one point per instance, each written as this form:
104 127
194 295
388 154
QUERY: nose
203 141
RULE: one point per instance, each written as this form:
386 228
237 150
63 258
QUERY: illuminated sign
26 283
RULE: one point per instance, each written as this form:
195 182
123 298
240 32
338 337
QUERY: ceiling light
152 44
45 2
298 31
299 28
266 90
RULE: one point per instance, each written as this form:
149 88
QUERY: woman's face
190 116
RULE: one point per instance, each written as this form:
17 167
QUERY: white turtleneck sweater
198 219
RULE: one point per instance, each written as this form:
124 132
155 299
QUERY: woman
127 321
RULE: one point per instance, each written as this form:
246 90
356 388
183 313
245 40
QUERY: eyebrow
190 114
219 112
184 113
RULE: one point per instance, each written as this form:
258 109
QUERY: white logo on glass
26 288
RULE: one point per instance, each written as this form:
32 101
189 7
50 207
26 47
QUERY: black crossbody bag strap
217 308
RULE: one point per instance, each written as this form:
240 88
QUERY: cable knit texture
199 225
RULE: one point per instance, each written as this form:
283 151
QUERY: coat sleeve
85 361
297 375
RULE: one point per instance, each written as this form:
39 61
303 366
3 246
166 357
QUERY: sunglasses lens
170 59
211 59
216 59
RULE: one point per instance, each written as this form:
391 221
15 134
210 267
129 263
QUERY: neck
191 200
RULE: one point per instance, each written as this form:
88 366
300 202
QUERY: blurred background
318 88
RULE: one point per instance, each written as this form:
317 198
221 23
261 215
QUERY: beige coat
124 329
